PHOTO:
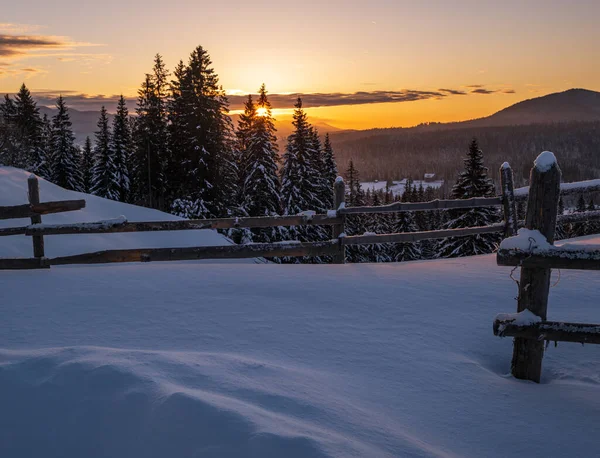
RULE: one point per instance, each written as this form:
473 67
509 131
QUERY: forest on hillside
383 154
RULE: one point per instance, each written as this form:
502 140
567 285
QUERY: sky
356 64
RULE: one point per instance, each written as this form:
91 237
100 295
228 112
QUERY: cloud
483 91
31 70
509 91
453 91
474 85
18 45
81 101
313 100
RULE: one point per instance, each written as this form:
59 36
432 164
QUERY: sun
262 111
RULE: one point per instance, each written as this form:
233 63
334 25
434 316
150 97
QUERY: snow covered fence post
339 199
534 286
508 200
34 199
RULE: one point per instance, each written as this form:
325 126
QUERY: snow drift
13 191
369 360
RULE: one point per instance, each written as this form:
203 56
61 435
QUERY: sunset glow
485 55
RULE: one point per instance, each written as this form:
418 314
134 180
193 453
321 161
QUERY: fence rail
334 218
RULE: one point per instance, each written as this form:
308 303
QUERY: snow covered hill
366 360
13 191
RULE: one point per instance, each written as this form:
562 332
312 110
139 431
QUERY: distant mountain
567 123
574 105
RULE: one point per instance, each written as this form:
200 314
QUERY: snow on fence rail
565 188
334 218
533 251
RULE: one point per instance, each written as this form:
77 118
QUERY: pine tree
64 155
473 182
298 187
209 175
87 163
44 165
151 139
583 228
330 171
105 177
261 187
28 125
122 150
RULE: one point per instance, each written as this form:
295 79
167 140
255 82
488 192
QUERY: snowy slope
366 360
397 189
13 191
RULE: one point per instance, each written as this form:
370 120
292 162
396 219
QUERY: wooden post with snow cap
34 199
508 200
339 199
534 285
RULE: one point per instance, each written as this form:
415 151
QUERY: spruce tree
151 138
122 151
261 187
64 155
208 156
104 172
583 228
87 163
44 164
473 182
28 124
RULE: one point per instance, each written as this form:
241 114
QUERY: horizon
393 64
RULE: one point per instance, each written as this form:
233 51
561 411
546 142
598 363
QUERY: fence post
34 198
508 200
534 285
339 197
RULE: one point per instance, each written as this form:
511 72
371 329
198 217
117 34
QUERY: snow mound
13 191
365 360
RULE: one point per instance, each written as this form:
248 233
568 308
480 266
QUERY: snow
339 179
533 241
398 187
98 224
545 161
331 213
524 318
526 240
505 165
263 360
309 213
13 191
583 186
369 233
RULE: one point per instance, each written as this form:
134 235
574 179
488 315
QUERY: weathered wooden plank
508 200
101 227
329 247
554 259
419 206
23 263
550 330
339 198
44 208
34 199
402 237
13 230
534 285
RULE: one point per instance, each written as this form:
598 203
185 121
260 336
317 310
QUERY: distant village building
429 177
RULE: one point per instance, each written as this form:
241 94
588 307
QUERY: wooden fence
334 218
536 262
